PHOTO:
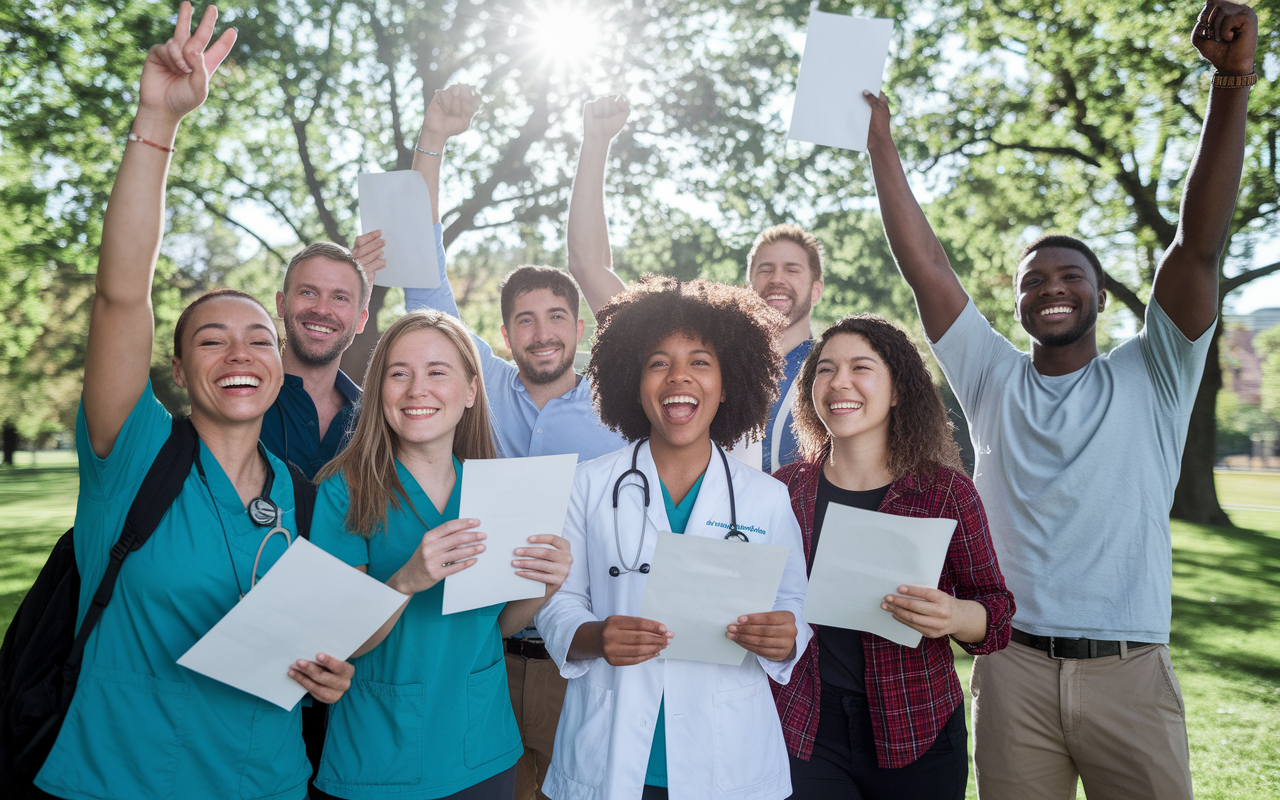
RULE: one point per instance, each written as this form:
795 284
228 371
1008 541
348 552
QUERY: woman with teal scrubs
139 725
429 714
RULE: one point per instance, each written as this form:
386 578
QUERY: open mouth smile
419 412
237 381
1055 310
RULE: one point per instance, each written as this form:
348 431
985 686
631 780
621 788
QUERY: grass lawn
1226 615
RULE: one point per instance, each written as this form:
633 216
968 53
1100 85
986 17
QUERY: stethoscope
262 510
622 483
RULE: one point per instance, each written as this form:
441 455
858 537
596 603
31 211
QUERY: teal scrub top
678 515
428 713
140 726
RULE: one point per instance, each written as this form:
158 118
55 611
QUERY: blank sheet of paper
399 204
697 586
514 498
842 56
308 602
863 556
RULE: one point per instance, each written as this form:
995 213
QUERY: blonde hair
368 462
788 233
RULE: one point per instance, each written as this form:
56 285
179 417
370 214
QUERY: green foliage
1267 346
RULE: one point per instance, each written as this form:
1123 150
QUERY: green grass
1226 615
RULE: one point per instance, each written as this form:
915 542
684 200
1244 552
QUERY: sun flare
566 34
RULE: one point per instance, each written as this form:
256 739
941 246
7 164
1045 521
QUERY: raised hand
603 117
1226 34
549 565
445 550
369 252
879 134
175 75
449 113
771 634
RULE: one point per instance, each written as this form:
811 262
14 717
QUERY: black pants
844 759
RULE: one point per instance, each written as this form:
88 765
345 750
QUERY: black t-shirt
841 662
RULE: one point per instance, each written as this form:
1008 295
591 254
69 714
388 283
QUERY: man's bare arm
917 251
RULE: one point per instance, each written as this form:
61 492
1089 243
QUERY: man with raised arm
784 266
539 406
1078 454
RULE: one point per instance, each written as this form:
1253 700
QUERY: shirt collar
345 386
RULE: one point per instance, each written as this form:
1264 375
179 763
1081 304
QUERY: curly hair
741 329
919 428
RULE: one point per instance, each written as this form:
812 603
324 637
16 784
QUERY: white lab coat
723 736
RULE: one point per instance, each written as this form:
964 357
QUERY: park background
1013 118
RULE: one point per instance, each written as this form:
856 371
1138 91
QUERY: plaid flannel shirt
911 691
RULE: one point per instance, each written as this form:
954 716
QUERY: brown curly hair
919 428
738 325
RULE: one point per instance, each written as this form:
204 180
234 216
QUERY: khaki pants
1117 723
537 693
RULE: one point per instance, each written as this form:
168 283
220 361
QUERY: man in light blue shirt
538 406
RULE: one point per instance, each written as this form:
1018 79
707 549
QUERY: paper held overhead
863 556
698 586
842 57
308 602
399 204
514 498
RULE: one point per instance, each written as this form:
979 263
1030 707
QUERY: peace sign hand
175 75
1226 34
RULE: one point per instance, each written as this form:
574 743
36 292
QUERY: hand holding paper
326 679
937 614
770 634
445 550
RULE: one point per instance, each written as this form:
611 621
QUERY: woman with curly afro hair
681 370
865 717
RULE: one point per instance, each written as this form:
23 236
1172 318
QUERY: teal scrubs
678 515
428 713
140 726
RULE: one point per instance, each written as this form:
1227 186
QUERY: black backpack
42 652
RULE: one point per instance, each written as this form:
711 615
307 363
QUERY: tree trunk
1196 497
357 356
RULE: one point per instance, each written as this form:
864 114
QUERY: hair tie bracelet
428 152
1235 81
133 137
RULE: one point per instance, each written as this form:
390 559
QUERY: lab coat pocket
275 744
138 727
491 725
742 719
582 738
374 718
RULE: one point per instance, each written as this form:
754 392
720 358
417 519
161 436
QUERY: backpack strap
161 486
304 500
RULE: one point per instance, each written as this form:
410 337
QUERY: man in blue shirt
538 406
784 267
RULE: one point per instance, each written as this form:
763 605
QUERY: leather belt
529 648
1061 647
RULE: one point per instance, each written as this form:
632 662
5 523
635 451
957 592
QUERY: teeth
679 398
311 326
1056 310
845 404
239 380
420 412
777 297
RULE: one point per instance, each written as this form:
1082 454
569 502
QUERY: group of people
717 400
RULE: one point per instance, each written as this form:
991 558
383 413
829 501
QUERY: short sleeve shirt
140 725
1077 472
428 712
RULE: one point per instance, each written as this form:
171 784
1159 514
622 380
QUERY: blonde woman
429 715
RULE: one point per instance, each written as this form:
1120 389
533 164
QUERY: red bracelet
133 137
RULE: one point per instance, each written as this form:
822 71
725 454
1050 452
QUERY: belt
529 648
1060 647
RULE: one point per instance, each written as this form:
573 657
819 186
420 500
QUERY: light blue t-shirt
566 424
1077 472
428 713
655 774
140 726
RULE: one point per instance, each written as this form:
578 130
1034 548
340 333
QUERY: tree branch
1125 295
314 187
227 217
1231 284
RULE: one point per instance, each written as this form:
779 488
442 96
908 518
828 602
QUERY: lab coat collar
712 496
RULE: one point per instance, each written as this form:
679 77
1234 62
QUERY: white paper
309 602
842 57
697 586
514 498
863 556
399 204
